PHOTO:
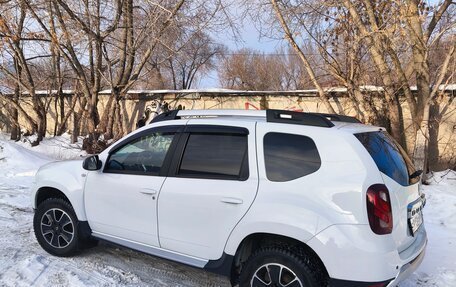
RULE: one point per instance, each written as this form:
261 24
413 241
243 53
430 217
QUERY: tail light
379 209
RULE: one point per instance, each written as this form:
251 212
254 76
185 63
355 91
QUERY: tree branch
436 18
302 56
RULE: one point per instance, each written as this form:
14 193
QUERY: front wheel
279 267
56 227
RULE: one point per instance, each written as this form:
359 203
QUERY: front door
121 200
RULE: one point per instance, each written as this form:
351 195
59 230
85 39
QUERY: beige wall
135 109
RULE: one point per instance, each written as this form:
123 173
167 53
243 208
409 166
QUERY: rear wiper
416 174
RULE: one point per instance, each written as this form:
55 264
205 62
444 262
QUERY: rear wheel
275 266
56 227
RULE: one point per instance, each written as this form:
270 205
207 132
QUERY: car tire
57 227
277 266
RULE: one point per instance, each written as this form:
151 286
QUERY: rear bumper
354 256
407 269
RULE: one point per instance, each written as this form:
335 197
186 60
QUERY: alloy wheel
57 228
275 275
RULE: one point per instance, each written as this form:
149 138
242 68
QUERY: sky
249 38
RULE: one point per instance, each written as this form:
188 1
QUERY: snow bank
18 166
15 155
57 148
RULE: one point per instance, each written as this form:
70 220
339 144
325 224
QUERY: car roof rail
299 118
339 118
222 113
271 115
166 116
178 114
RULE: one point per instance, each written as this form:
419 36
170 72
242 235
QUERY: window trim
166 162
209 129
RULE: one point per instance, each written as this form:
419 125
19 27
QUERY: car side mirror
91 163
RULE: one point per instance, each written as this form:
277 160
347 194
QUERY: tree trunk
75 134
434 125
41 119
421 141
396 120
56 120
264 105
61 112
103 125
77 118
110 116
65 117
354 97
117 125
127 126
15 128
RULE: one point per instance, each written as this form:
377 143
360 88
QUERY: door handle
148 191
231 200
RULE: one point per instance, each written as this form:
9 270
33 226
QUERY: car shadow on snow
128 266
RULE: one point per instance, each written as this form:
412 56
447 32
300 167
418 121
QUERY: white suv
268 198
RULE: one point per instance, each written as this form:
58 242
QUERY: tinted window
288 156
221 156
389 157
144 155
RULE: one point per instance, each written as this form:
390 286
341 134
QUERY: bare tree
249 69
194 58
292 40
395 37
16 66
100 44
80 25
384 39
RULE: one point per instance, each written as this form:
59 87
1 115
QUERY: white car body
201 222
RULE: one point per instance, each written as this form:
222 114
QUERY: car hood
60 171
64 164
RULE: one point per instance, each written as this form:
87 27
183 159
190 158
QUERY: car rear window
289 156
389 157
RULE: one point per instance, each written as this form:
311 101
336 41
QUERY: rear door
396 170
211 185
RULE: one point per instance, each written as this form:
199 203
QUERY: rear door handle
231 200
148 191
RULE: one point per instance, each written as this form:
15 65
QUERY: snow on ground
439 265
24 263
55 148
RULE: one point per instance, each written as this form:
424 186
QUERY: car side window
215 156
289 156
143 155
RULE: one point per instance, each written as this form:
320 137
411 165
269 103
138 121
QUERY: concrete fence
137 101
